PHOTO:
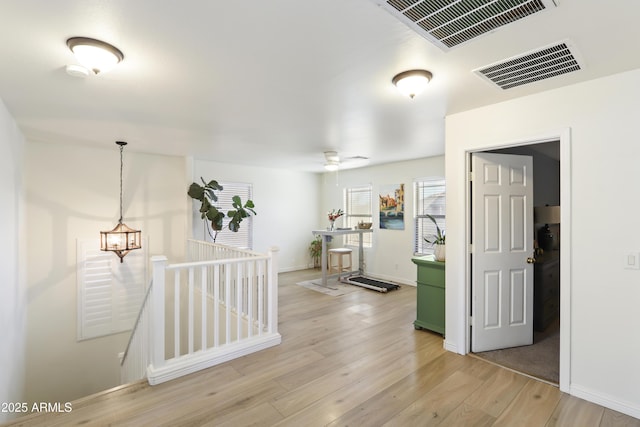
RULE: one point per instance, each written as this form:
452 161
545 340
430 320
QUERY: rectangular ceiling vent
449 23
532 66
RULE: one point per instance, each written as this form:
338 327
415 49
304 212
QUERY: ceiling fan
333 162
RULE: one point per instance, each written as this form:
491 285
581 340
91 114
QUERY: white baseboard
201 360
451 346
628 408
294 268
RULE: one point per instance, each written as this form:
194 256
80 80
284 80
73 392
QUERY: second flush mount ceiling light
412 82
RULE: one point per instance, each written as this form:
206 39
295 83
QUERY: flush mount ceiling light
122 239
95 55
412 82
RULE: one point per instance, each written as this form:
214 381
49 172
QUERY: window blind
358 207
244 237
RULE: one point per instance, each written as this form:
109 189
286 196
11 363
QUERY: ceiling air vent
449 23
532 66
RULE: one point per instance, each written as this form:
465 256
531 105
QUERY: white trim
199 360
629 408
451 346
565 261
462 346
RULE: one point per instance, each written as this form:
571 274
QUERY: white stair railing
221 305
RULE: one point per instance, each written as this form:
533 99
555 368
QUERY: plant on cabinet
437 240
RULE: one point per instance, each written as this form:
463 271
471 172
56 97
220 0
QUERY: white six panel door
502 236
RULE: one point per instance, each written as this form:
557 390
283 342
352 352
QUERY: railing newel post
272 291
158 300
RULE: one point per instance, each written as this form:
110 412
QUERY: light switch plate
632 261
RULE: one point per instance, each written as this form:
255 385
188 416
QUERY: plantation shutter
109 292
429 198
244 237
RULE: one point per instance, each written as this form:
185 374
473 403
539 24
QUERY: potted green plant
437 240
213 217
315 250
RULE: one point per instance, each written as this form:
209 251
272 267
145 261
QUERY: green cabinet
430 295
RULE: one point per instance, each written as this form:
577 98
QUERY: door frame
564 136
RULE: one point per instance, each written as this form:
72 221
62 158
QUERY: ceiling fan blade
356 158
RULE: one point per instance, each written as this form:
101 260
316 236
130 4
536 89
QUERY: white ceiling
274 82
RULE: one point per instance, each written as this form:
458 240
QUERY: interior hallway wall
601 116
12 293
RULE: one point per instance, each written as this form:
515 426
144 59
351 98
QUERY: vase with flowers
333 215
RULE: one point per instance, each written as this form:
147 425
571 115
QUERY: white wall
390 256
12 295
72 192
287 206
602 117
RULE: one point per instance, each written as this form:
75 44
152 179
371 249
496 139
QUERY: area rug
333 288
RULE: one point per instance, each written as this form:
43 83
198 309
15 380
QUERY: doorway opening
541 359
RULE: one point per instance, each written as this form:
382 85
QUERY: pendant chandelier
122 239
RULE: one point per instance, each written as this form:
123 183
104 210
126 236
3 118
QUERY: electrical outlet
632 261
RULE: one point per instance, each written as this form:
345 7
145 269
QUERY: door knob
531 260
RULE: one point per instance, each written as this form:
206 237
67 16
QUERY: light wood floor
353 360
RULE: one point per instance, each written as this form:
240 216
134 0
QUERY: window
244 237
357 202
429 195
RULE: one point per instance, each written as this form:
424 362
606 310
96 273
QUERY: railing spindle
250 282
203 316
216 305
190 311
227 297
239 284
176 313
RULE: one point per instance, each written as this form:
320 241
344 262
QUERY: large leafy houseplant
212 216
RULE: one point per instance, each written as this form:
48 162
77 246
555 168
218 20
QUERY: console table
328 235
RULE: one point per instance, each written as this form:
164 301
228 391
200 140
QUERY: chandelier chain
121 164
